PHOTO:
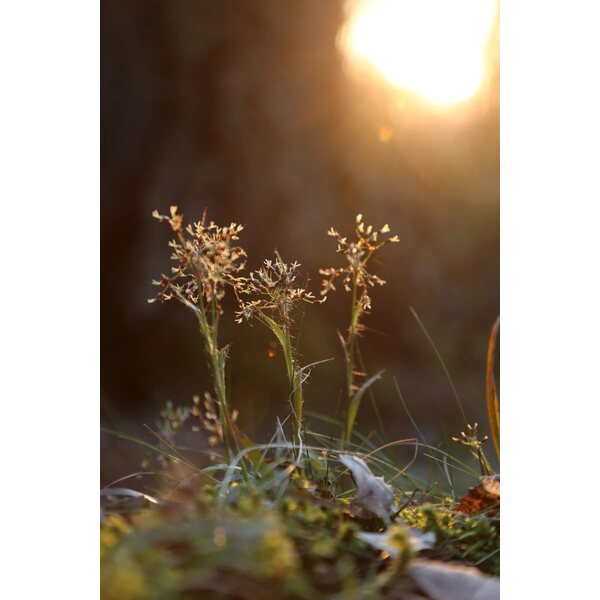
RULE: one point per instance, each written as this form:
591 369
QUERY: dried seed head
357 254
274 291
206 260
208 418
471 439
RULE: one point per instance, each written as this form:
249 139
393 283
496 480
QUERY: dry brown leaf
484 497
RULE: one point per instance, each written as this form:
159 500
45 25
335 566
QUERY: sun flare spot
434 48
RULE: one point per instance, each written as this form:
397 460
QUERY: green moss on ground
299 546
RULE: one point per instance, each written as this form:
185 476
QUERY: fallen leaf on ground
373 492
443 581
482 497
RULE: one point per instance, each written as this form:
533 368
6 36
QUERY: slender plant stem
350 352
210 334
294 375
295 381
297 401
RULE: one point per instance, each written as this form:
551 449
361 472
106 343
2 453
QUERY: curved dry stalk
492 400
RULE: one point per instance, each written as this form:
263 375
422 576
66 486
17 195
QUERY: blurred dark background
245 108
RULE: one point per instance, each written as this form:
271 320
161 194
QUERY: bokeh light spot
385 134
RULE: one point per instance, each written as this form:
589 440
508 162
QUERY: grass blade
439 356
355 403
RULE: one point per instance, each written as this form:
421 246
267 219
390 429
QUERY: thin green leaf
284 341
442 363
355 402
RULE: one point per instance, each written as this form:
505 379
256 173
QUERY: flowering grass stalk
274 301
475 444
269 521
207 262
357 280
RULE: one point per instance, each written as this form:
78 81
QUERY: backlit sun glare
434 48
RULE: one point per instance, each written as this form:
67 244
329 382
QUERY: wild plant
356 279
207 262
274 299
474 443
281 520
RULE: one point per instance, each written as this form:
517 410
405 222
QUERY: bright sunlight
434 48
